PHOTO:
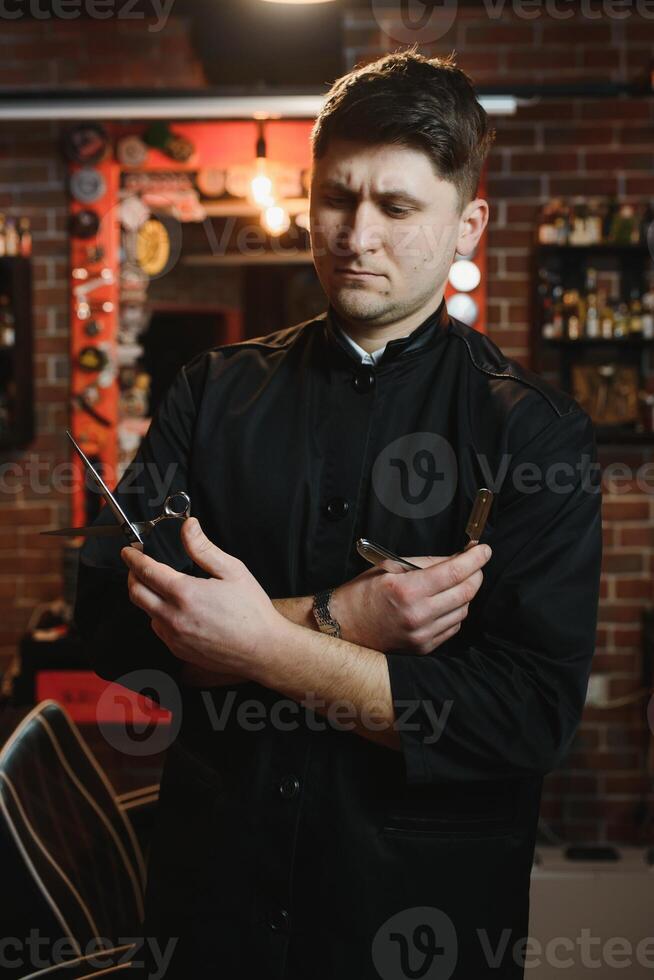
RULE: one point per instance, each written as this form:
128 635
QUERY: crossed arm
226 630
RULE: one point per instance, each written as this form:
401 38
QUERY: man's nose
362 231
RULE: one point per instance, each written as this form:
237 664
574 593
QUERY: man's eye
396 210
336 202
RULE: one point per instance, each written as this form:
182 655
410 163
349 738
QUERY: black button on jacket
285 849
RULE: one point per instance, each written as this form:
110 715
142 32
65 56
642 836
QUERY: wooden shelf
293 257
601 248
631 263
599 342
605 435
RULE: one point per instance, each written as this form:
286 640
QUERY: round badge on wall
92 359
92 328
87 185
84 223
152 247
87 143
211 181
131 151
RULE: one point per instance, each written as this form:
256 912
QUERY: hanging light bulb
261 191
275 220
261 186
297 2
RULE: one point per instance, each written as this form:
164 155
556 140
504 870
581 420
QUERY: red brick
619 109
543 161
643 536
570 186
619 160
639 185
622 562
635 588
628 638
619 614
577 136
514 186
569 32
605 663
625 510
623 783
497 32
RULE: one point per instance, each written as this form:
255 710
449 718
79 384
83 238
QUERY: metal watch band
325 620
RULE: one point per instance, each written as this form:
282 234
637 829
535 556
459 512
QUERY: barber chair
73 873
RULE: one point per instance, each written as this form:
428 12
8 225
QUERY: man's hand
223 622
415 611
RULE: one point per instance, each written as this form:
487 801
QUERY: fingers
426 560
145 598
159 578
456 570
202 550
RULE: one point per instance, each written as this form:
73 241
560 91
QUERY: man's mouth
357 273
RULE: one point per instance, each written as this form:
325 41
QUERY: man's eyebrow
395 193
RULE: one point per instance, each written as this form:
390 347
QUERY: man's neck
370 338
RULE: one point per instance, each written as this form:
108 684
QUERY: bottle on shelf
592 323
25 244
647 317
11 237
578 231
3 240
609 217
635 314
547 234
607 322
561 221
624 228
621 320
594 222
7 323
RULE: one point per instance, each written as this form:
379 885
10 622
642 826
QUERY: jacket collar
424 336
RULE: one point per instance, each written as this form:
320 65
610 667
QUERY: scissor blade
112 503
94 530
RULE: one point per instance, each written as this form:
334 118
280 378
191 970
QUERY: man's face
381 210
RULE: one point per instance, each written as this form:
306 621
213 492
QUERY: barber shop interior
326 489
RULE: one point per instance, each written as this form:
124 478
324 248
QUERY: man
361 804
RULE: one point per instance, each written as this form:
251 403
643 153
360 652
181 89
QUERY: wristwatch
325 620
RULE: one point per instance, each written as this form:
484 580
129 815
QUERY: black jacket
283 851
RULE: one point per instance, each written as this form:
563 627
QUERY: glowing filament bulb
261 185
275 220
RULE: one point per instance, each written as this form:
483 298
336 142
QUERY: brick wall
565 146
34 54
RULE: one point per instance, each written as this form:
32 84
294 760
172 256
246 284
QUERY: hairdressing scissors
376 554
177 505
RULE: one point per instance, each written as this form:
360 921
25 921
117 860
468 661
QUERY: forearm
296 610
347 683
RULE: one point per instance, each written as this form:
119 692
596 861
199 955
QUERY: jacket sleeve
504 696
119 641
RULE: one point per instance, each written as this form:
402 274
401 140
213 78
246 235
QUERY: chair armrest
119 960
140 807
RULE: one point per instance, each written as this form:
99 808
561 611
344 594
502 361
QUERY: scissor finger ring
172 508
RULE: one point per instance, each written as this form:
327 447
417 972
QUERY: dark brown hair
411 100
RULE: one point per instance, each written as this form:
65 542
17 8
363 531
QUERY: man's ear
474 219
